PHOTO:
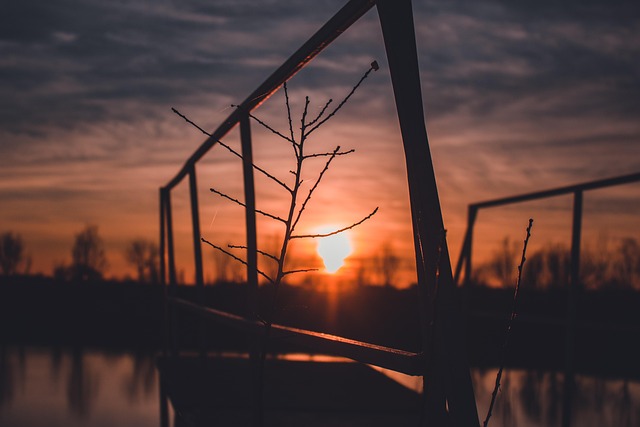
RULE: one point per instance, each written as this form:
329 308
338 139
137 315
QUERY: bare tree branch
286 98
191 123
303 127
339 153
514 314
266 126
263 253
306 200
374 66
295 211
256 167
313 236
234 257
321 112
213 190
304 270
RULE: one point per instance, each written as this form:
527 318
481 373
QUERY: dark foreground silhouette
131 316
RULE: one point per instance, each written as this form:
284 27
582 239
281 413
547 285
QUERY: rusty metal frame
448 396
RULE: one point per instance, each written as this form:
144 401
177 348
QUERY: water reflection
82 387
76 387
142 384
534 398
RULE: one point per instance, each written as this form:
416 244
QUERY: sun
333 249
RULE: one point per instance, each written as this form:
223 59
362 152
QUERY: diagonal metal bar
385 357
570 189
448 376
338 24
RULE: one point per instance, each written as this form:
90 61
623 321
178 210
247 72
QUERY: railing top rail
592 185
386 357
339 23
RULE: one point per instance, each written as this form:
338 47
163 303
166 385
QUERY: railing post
163 249
163 275
197 254
250 215
448 391
195 221
170 248
173 315
467 249
468 270
572 292
252 262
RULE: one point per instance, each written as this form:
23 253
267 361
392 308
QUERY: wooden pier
216 391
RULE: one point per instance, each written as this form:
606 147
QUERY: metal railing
447 384
573 288
464 260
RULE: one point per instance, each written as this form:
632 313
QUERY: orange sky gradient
517 99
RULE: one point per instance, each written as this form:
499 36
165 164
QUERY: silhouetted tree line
13 259
602 267
88 258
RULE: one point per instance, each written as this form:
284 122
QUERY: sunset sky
519 96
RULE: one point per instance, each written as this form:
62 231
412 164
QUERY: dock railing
574 285
465 258
442 362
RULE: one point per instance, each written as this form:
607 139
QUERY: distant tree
11 253
534 276
144 256
88 255
548 267
558 263
62 272
627 263
503 263
362 272
595 264
387 264
602 266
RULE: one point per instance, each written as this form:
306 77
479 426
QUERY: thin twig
306 200
266 126
374 66
313 236
303 127
286 97
321 113
277 218
234 257
340 153
256 167
304 270
514 314
190 122
263 253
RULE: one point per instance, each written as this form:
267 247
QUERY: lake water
69 388
95 388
